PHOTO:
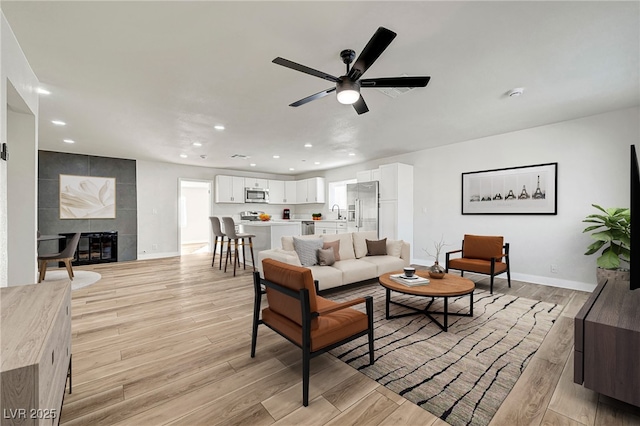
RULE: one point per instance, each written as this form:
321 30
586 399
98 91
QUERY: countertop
270 223
281 221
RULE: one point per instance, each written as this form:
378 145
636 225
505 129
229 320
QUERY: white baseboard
144 256
535 279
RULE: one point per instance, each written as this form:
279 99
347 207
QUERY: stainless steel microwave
256 195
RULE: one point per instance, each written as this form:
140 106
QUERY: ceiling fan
348 86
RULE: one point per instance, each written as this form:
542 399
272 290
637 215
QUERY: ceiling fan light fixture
347 91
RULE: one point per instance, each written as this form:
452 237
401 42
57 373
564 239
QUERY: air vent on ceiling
241 156
394 92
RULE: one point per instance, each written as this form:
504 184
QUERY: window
338 193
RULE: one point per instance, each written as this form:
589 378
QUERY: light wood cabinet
229 189
36 352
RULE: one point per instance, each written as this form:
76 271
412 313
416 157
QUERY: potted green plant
612 231
316 216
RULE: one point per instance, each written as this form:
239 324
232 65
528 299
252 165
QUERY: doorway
194 208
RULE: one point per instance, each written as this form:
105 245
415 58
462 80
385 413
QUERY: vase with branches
436 270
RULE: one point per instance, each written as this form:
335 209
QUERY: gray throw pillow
335 245
307 250
326 257
377 248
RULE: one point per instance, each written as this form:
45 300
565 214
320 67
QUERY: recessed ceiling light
59 123
291 169
218 127
42 91
307 145
352 154
197 144
276 156
252 164
316 163
68 141
183 155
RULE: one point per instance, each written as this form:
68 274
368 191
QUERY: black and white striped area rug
463 375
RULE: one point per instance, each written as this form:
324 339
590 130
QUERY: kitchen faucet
335 205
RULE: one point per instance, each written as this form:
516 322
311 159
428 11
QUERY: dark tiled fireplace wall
52 164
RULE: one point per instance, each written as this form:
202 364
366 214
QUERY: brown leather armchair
483 255
313 323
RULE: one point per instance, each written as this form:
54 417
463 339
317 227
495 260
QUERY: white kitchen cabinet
282 191
290 192
368 175
229 189
388 220
310 191
396 202
256 183
276 192
330 227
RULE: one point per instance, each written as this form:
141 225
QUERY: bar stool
238 239
219 237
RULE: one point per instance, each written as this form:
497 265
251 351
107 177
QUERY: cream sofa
354 264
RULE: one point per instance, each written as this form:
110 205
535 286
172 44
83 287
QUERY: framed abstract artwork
87 197
515 190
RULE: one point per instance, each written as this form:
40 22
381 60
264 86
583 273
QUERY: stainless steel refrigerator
362 206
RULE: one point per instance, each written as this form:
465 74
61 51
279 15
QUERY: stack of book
409 281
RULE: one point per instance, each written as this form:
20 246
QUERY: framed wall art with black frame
514 190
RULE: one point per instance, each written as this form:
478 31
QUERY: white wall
15 69
158 189
21 192
593 167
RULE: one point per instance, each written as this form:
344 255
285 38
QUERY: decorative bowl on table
265 217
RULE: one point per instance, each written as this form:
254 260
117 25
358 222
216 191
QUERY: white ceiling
144 80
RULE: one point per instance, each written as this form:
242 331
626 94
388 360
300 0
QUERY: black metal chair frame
307 316
505 255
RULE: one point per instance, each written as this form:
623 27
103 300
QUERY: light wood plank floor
167 342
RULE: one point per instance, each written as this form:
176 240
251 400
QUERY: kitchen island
269 233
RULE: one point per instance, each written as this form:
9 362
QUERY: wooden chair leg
43 270
67 264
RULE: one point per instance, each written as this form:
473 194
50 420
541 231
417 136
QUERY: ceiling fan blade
361 106
395 82
302 68
313 97
374 48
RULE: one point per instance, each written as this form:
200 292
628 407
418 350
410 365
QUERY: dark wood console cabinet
607 342
93 247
